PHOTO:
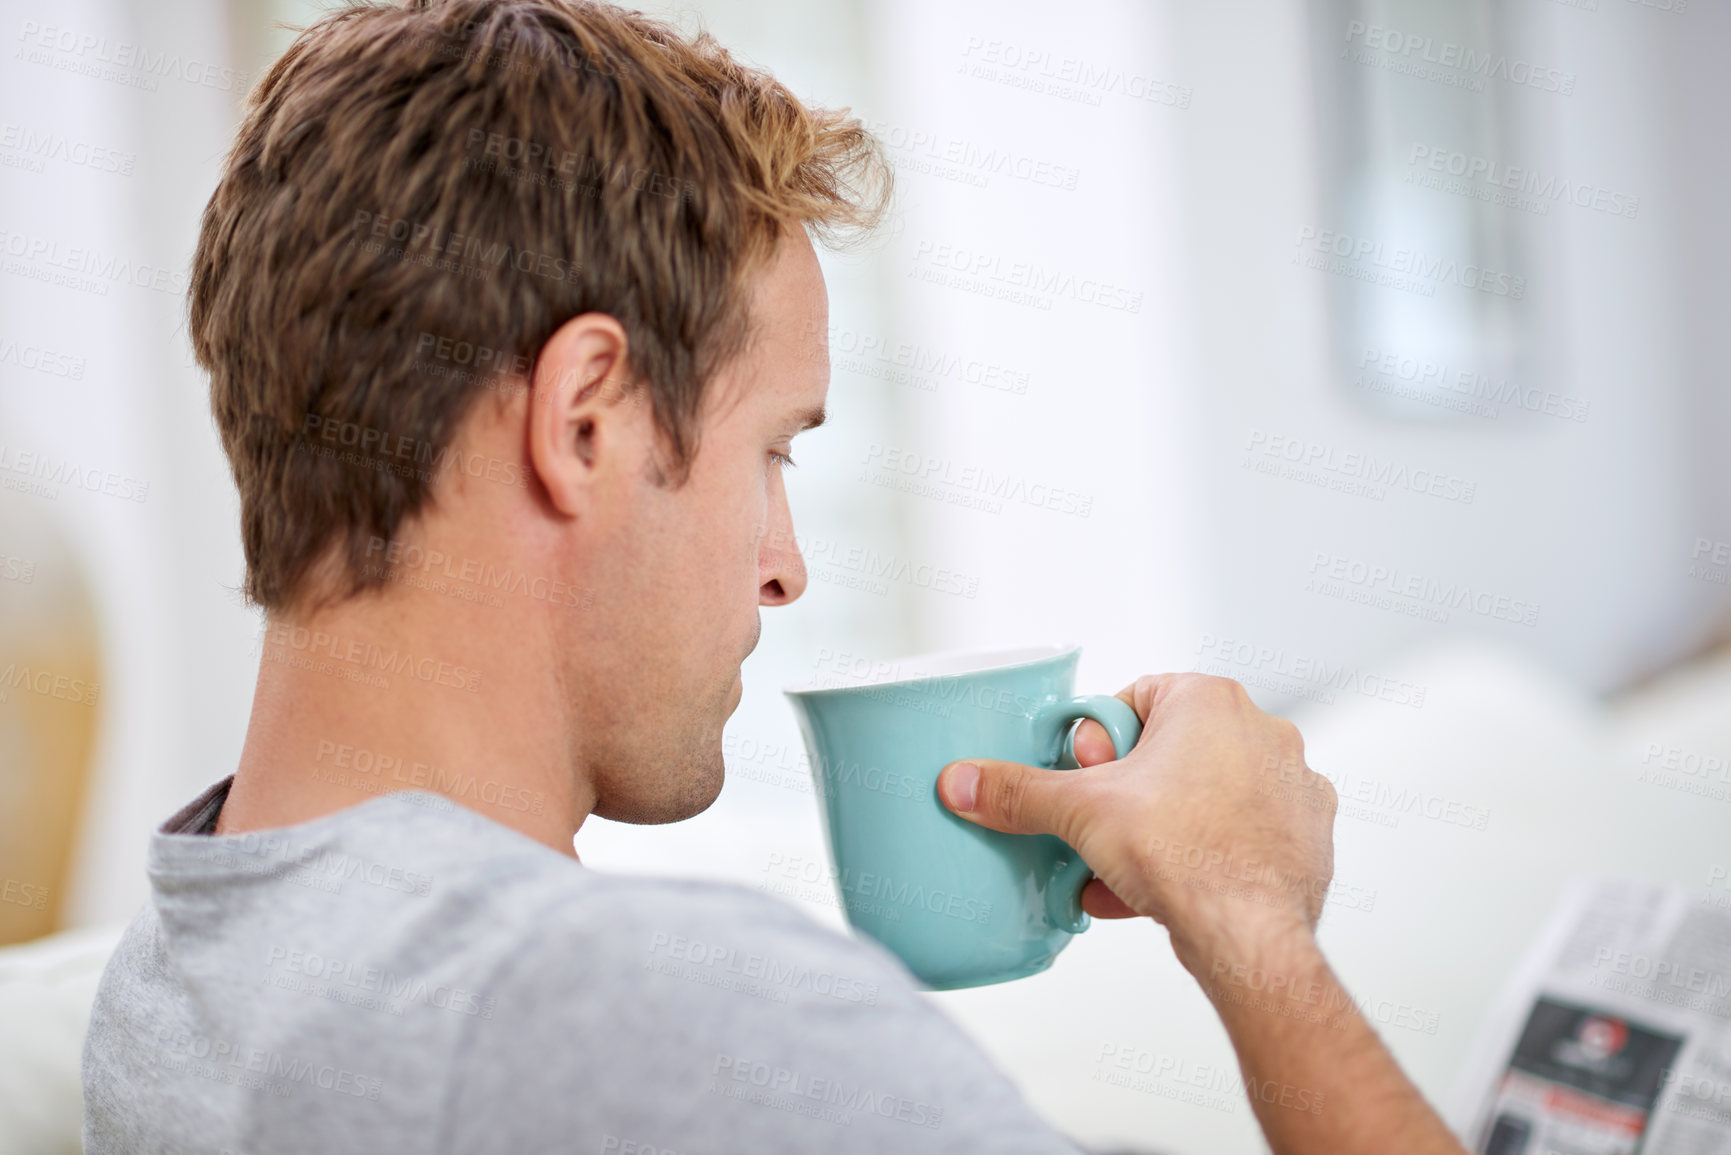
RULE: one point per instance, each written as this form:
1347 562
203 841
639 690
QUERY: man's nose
780 568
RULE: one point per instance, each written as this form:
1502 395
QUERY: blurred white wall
128 111
1592 521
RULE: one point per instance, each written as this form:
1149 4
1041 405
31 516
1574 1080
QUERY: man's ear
577 427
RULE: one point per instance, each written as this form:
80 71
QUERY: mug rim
931 666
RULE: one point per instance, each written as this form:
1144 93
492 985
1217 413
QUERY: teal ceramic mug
961 905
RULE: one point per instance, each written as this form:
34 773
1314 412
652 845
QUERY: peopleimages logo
395 559
1413 270
388 452
88 53
392 990
946 156
1709 559
23 894
860 567
1351 471
959 483
45 472
1688 770
369 655
257 1068
44 146
1067 77
1274 668
917 365
1022 282
47 683
800 1093
1419 378
41 359
86 269
778 973
455 252
1672 971
1417 595
314 865
1544 187
1413 50
863 890
17 569
441 780
569 169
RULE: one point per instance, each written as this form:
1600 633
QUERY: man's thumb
1006 796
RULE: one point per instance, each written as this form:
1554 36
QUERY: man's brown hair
420 195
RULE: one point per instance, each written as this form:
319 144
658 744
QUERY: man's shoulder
541 914
708 1015
696 937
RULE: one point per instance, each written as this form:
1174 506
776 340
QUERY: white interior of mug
849 672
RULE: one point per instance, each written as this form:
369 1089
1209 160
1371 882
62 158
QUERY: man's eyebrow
804 419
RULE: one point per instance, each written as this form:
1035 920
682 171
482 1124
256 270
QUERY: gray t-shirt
407 975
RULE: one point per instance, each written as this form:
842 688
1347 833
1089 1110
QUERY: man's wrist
1247 944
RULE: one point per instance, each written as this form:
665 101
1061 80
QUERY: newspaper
1614 1035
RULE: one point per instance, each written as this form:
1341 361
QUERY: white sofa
46 988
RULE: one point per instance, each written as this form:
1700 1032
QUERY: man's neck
410 690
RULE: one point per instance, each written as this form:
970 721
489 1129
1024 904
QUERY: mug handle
1054 734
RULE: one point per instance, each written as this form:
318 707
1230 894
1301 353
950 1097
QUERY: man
511 315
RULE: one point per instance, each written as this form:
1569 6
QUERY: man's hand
1212 825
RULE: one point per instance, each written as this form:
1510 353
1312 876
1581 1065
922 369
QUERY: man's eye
784 460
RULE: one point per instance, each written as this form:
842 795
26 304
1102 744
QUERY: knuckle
1330 797
1289 736
1209 686
1146 687
1230 691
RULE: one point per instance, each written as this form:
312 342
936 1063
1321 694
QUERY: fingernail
964 785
